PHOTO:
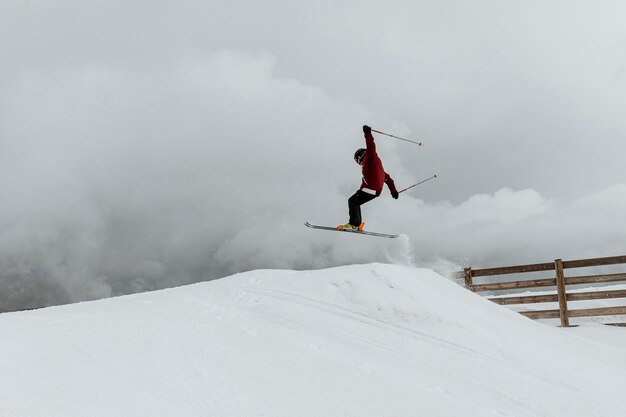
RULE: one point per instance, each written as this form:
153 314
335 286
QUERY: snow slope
364 340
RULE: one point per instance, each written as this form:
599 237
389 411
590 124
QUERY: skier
374 176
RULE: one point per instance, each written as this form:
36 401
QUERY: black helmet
358 155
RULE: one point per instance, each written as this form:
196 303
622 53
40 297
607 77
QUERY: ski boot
350 227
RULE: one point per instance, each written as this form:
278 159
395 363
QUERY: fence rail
560 281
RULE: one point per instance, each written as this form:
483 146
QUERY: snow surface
362 340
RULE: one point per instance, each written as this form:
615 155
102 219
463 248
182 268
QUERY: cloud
118 180
145 147
508 227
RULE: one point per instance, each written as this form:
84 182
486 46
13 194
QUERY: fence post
468 278
562 294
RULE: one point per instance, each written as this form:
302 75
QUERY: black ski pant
354 205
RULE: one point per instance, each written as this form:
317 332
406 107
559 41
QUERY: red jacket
374 174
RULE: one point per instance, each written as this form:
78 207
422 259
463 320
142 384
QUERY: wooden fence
561 282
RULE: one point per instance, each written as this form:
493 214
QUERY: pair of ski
359 232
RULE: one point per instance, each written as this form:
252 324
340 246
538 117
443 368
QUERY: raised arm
369 139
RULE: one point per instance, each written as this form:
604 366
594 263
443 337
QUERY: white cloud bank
115 181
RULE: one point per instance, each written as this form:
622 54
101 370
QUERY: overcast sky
147 144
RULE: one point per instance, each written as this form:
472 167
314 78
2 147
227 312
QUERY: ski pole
396 137
421 182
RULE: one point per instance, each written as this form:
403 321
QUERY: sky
149 144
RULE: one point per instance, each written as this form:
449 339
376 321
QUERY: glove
395 194
367 130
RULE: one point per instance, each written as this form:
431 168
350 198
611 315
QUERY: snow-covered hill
365 340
